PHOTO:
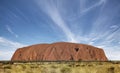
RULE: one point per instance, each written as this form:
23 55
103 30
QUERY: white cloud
114 26
6 55
60 23
91 43
112 54
10 30
84 10
111 51
6 42
9 48
52 11
118 42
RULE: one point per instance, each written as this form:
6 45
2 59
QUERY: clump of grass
111 70
7 66
44 70
66 70
53 66
53 71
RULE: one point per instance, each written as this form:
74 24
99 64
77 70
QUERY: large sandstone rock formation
61 51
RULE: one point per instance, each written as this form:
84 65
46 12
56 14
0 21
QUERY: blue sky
27 22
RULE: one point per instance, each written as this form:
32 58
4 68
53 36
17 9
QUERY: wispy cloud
11 31
112 51
6 55
7 48
6 42
52 11
54 14
84 10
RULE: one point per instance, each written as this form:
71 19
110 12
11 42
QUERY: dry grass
60 67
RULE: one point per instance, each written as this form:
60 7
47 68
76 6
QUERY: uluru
59 51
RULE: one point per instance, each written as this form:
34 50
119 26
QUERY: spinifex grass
60 67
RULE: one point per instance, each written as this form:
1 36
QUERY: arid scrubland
60 67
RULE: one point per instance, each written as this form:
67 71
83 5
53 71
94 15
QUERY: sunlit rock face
60 51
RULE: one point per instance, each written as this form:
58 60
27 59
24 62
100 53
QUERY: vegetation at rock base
60 67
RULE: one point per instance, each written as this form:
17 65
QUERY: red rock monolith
60 51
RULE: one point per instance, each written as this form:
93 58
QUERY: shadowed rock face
58 52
